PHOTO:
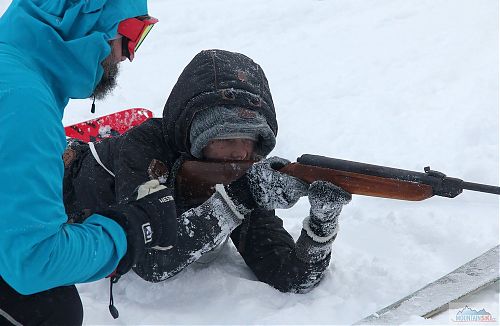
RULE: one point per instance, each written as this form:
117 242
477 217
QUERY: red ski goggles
134 31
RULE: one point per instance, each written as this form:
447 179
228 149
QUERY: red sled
108 126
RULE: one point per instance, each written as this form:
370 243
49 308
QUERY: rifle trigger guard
433 173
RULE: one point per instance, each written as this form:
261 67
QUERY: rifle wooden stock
196 180
361 184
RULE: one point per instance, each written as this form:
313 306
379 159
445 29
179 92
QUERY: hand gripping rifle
196 179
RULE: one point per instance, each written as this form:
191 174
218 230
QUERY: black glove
264 187
150 221
326 201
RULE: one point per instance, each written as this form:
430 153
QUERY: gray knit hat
230 123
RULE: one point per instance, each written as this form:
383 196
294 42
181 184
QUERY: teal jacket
50 51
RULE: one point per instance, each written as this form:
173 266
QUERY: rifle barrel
482 188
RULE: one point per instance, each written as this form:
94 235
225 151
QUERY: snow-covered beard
108 80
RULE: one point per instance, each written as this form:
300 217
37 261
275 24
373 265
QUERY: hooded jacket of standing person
220 94
53 54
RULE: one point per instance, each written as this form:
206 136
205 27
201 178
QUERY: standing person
220 109
50 52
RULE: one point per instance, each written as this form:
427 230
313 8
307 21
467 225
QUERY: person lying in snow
220 109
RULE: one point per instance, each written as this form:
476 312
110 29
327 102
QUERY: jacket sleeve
38 249
270 252
200 229
137 149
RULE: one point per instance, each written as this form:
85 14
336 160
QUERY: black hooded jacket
213 77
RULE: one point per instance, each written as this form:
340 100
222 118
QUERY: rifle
196 180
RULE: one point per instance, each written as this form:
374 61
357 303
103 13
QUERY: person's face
229 150
110 65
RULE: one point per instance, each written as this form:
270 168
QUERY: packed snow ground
399 83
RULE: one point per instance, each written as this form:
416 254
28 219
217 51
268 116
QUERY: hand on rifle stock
327 201
262 186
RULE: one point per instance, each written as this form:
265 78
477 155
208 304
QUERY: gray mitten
320 228
326 201
264 187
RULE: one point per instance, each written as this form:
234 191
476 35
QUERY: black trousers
58 306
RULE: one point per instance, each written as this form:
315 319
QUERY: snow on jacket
209 79
50 51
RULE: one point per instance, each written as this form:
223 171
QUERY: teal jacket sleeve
39 250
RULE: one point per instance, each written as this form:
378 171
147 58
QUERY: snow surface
444 293
487 299
399 83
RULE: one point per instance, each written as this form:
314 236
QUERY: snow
487 299
434 297
399 83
